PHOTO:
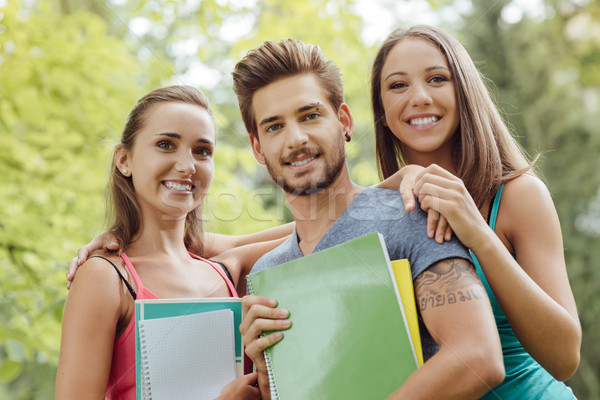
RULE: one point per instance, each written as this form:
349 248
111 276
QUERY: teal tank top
525 378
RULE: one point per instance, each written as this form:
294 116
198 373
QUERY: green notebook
197 341
349 337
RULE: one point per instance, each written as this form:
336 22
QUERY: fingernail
78 261
430 234
278 335
282 313
287 323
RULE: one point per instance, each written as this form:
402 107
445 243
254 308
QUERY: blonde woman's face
171 163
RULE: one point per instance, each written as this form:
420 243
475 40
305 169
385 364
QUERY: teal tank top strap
495 207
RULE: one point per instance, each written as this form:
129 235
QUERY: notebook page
188 357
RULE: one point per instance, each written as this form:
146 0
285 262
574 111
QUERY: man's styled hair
271 62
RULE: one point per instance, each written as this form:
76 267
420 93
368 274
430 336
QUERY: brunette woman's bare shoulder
525 201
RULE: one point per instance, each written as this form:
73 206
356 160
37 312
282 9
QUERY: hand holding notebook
349 337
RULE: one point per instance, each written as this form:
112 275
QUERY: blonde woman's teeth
178 186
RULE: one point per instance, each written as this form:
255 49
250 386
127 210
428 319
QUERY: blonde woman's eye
204 152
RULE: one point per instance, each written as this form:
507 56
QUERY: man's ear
122 160
256 149
345 117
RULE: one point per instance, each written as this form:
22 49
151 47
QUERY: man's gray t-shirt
405 235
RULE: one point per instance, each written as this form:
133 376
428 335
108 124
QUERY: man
292 103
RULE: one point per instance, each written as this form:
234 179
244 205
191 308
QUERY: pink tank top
121 382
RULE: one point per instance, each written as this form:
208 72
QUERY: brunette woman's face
419 101
171 161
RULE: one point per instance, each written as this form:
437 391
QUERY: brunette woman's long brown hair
485 153
123 210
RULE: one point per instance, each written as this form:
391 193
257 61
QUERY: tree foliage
539 73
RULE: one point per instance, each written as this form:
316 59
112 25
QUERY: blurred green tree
542 74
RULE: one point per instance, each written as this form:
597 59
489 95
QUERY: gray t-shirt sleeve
405 233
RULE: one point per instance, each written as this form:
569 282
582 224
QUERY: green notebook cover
349 337
161 308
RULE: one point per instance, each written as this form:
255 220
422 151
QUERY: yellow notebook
405 287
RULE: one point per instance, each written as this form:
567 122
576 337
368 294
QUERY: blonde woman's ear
122 160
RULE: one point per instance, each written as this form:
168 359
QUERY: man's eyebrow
307 107
300 110
268 120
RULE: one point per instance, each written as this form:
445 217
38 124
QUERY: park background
70 70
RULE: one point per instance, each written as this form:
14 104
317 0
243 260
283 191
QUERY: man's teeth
297 163
423 121
178 186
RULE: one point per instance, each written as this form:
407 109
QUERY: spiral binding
146 390
267 352
272 382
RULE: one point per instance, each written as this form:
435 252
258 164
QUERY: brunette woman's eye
165 145
398 85
439 79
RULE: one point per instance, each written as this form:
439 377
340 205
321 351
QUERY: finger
260 325
432 221
448 235
441 229
73 264
250 379
435 169
249 300
406 191
82 254
256 347
261 313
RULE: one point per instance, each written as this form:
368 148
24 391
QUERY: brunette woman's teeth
423 121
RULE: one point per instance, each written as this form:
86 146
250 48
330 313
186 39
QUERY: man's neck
316 213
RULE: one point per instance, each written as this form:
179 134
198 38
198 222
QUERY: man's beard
332 171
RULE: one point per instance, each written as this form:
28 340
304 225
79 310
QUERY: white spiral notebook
188 356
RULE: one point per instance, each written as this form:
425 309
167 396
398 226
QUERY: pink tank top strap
220 271
131 269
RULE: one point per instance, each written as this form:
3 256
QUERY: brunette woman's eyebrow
428 69
434 67
395 73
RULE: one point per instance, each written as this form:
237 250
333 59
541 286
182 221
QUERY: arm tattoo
449 281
